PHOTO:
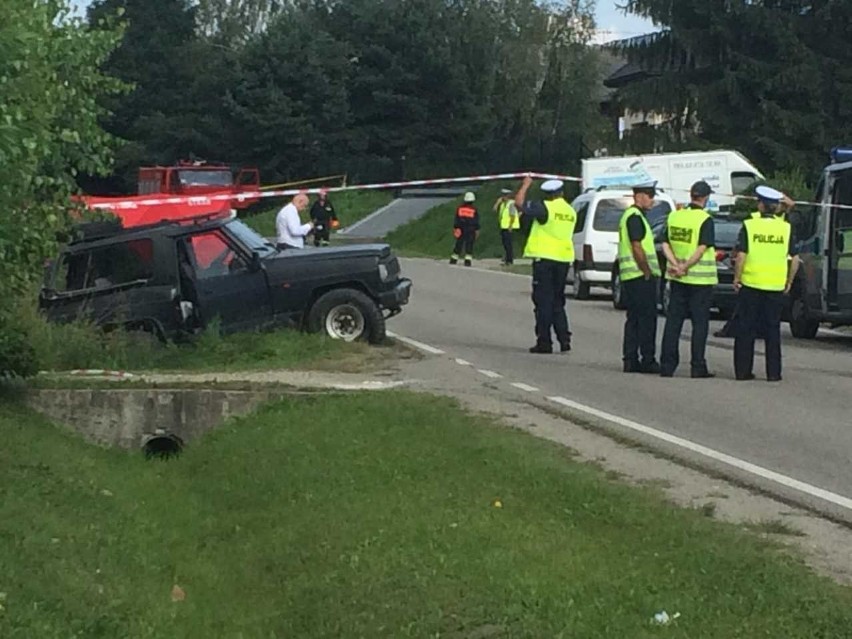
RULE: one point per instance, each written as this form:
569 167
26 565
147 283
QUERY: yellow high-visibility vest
765 265
553 240
509 219
628 269
684 228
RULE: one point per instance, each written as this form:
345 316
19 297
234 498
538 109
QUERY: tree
761 76
49 133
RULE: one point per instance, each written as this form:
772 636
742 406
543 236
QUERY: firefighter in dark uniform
324 218
465 229
551 246
639 273
766 267
689 245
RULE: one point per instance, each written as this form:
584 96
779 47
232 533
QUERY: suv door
227 286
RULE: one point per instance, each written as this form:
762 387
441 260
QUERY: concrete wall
127 418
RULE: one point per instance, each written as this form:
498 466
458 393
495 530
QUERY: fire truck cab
199 178
823 288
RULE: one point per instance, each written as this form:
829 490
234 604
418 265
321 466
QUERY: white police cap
505 191
552 186
768 194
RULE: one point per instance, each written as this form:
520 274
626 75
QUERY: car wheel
801 324
347 314
617 291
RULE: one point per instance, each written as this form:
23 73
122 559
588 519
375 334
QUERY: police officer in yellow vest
639 273
509 222
762 276
551 247
689 245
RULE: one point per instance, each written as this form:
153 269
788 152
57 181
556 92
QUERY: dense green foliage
50 82
771 78
372 88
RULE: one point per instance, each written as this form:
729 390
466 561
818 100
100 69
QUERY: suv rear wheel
347 314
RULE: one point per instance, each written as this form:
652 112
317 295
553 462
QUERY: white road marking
463 362
419 345
735 462
525 387
490 374
362 221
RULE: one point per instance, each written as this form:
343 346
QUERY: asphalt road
799 430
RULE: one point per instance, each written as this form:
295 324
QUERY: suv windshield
249 238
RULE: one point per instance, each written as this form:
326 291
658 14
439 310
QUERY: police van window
582 209
213 256
107 266
741 181
608 213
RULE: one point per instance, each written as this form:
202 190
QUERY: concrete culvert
162 446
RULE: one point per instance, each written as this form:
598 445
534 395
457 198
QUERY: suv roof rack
91 231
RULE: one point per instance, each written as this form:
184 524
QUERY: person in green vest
639 273
551 247
689 246
509 221
766 267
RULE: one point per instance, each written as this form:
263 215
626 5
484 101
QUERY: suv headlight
383 272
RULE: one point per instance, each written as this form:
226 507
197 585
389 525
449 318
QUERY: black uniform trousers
465 242
548 296
640 329
758 312
508 248
687 300
322 233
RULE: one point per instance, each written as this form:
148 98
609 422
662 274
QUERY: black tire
801 324
347 314
617 291
582 290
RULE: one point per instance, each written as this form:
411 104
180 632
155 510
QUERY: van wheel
617 291
347 314
582 290
801 324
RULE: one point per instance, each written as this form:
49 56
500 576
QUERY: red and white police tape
205 200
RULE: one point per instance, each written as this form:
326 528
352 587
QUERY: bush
17 356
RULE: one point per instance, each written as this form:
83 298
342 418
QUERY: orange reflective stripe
466 212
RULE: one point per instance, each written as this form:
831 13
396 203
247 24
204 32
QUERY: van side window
741 181
107 266
582 210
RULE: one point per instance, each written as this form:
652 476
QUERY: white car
596 234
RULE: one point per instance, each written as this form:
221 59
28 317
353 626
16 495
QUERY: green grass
372 516
774 527
432 234
68 347
351 206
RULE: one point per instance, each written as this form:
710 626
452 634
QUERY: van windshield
608 213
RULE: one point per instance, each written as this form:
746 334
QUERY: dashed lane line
490 374
418 345
525 387
735 462
463 362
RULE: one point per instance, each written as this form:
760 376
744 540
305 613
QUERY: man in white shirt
291 232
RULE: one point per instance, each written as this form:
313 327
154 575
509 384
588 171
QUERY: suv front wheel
347 314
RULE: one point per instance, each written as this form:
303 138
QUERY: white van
596 234
727 172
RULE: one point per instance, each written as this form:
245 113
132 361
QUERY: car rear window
726 231
609 212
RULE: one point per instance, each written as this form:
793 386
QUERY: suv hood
325 253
